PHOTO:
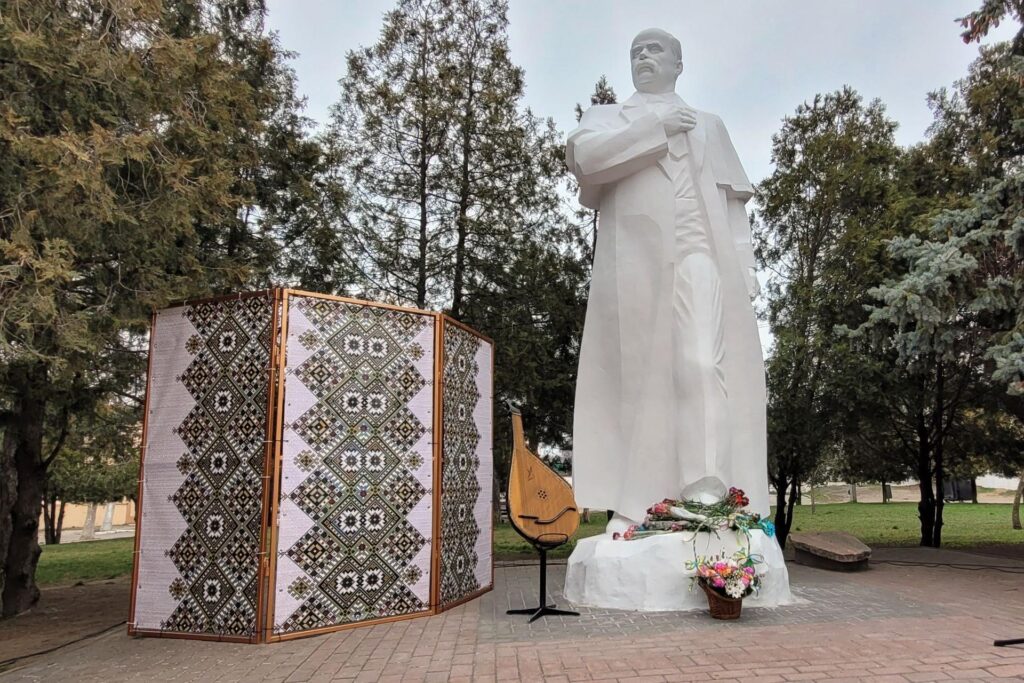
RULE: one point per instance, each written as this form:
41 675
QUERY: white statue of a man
671 385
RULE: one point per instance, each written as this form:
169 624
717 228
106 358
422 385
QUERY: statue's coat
625 451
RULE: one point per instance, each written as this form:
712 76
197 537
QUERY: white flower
735 589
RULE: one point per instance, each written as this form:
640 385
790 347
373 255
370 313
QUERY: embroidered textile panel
203 469
466 466
354 536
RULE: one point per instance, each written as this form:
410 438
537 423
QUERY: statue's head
657 60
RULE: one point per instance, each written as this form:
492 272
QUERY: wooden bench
833 550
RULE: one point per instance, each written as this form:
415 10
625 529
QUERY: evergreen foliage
144 154
155 150
603 94
957 311
456 202
817 231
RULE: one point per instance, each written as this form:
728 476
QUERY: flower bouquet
726 581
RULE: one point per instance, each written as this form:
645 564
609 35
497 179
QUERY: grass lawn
897 524
892 524
509 544
87 561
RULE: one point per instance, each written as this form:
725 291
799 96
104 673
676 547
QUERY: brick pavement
892 623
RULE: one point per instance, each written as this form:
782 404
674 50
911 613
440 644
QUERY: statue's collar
641 99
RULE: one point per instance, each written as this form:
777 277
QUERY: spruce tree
957 311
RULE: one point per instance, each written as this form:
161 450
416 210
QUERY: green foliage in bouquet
728 513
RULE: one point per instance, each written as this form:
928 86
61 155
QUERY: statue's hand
679 119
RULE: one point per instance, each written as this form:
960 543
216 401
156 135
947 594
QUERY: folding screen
354 539
198 540
467 466
353 414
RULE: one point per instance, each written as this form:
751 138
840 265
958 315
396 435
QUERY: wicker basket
721 606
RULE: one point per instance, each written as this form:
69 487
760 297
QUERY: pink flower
718 582
630 532
749 571
616 536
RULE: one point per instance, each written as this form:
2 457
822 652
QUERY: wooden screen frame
133 631
273 457
268 635
444 321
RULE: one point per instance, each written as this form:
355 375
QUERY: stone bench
833 550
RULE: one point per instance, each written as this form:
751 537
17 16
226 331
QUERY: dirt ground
65 614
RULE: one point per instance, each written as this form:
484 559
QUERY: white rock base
650 574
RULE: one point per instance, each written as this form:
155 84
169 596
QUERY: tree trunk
593 237
940 474
60 524
794 495
424 166
89 527
20 591
781 521
8 494
1015 514
50 519
108 517
926 506
462 222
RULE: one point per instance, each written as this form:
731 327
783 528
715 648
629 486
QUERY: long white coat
627 454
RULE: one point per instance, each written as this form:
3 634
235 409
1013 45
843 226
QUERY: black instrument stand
1011 641
543 609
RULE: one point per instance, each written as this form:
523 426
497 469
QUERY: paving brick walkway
896 622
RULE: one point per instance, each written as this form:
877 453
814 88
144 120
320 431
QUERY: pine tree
387 134
456 196
603 94
131 141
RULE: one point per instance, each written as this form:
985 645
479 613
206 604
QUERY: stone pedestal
650 574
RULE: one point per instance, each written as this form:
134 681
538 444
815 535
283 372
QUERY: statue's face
654 64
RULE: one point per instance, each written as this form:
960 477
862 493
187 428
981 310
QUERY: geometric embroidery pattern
460 467
358 484
217 556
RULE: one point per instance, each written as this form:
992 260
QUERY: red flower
738 497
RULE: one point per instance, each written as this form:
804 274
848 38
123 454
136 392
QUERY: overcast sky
749 61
